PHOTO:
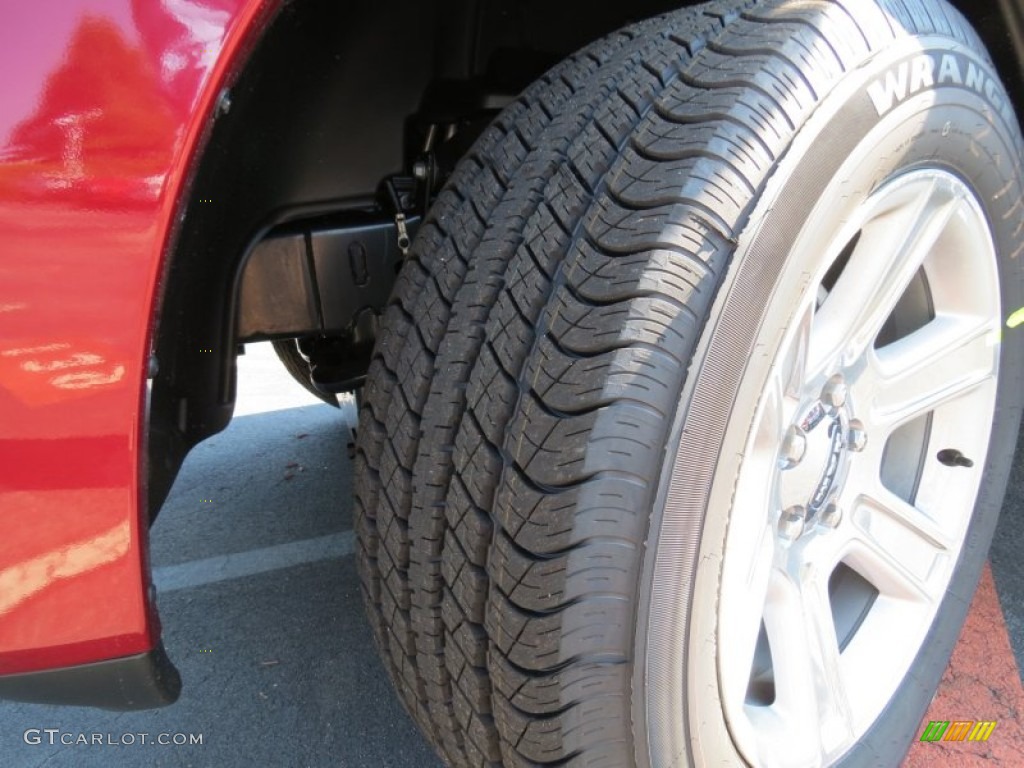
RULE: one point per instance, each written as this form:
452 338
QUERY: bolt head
419 170
793 448
224 102
831 515
791 523
833 394
856 436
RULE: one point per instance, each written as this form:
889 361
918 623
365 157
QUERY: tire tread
531 357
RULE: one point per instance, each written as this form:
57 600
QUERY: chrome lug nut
791 522
833 394
856 436
794 446
831 515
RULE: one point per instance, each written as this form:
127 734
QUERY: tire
662 317
288 352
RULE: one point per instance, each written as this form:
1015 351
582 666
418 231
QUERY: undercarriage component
323 283
316 280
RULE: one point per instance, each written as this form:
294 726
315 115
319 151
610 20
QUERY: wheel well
335 98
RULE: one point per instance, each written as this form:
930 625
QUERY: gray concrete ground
262 612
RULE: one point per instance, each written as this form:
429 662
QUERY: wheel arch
271 152
316 116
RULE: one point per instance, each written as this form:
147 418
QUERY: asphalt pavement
262 614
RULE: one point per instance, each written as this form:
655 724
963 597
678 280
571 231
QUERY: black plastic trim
146 681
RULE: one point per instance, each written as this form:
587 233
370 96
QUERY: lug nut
831 515
856 437
833 394
791 522
794 446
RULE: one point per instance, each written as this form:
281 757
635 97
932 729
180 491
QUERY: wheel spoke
756 496
900 545
740 629
797 362
809 682
891 247
937 363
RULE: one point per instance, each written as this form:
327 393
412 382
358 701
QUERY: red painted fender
103 113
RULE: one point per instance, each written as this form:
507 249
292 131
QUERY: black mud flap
145 681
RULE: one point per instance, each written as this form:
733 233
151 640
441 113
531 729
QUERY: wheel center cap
827 454
814 458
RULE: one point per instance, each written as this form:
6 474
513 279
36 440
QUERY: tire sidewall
967 131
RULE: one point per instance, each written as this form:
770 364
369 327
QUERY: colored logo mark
958 730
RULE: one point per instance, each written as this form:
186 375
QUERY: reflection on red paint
186 37
25 578
102 128
48 372
48 565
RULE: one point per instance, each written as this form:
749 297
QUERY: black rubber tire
291 358
527 379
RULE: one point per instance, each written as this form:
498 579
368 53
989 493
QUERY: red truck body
105 105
